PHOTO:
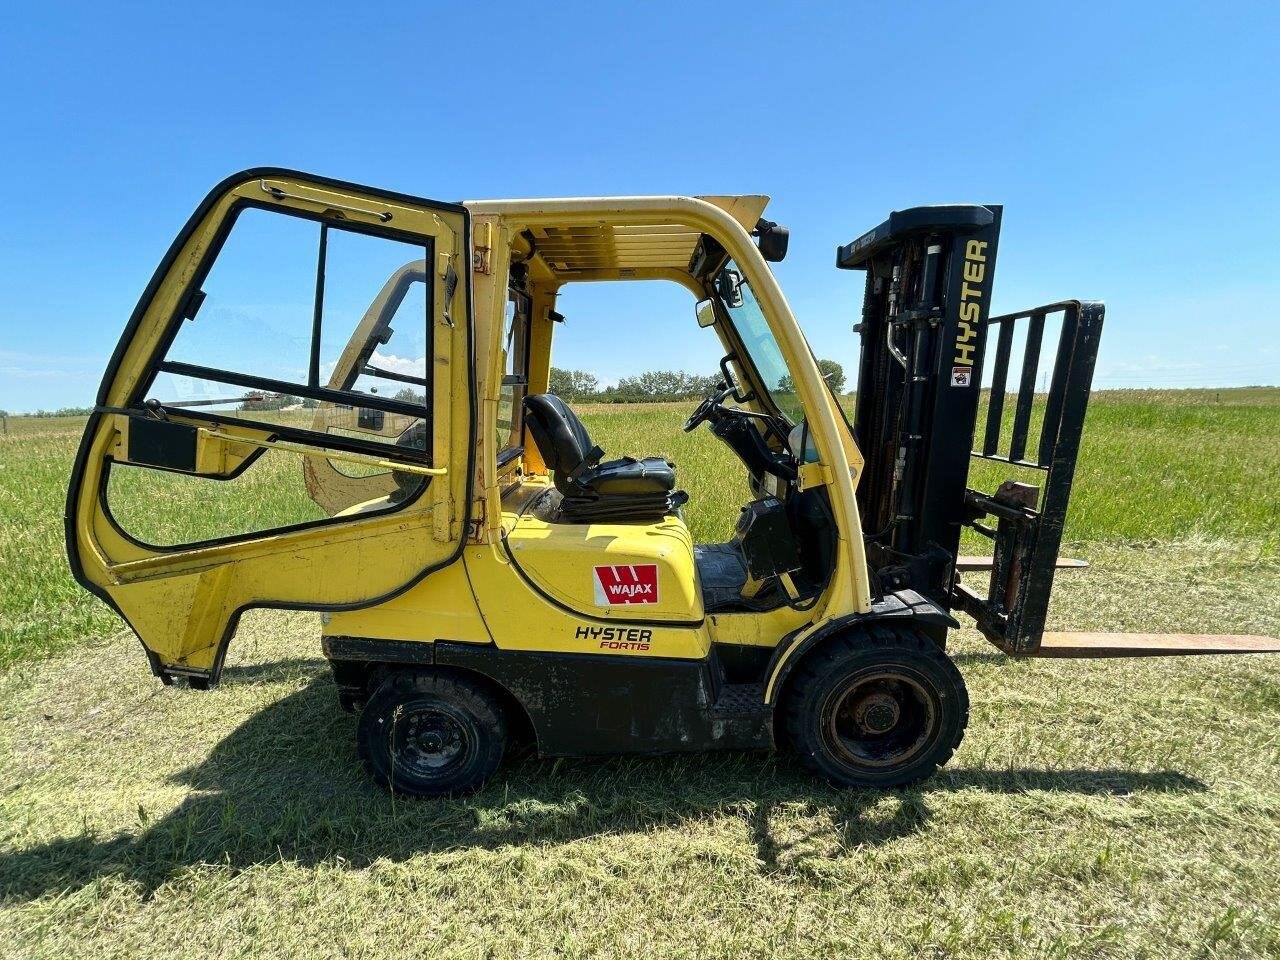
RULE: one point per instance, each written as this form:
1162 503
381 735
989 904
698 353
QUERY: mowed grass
1095 809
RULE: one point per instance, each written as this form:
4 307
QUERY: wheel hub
432 740
877 713
880 719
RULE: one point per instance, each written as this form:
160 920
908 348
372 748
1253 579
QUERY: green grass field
1095 809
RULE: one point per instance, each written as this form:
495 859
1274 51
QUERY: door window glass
515 349
292 311
171 509
318 334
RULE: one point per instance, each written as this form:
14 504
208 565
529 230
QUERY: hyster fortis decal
616 638
634 583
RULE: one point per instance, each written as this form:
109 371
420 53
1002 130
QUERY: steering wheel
706 408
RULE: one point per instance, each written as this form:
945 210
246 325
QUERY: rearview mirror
706 312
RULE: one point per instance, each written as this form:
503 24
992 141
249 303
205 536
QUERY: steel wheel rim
880 719
430 742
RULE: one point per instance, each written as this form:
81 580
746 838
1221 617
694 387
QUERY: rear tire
879 707
430 735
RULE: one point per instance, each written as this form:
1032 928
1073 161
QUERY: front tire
879 707
430 735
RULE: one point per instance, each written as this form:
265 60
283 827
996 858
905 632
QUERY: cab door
288 419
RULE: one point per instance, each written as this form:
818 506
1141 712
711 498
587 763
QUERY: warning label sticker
961 376
634 583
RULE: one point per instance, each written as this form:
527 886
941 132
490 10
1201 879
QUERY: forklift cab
562 504
448 515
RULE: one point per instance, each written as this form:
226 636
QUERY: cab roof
574 249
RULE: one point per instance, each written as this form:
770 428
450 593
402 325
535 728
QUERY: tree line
656 386
44 414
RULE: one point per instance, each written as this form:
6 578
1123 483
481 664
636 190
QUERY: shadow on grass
287 785
272 671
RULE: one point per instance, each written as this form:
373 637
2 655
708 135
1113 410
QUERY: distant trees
60 412
651 386
831 372
573 384
654 386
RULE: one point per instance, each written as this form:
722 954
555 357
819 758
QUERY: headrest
561 438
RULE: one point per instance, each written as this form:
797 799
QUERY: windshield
762 348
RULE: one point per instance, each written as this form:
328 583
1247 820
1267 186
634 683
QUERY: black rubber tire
457 713
885 661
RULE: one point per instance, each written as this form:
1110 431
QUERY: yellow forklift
488 575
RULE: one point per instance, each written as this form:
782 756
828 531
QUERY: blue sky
1134 147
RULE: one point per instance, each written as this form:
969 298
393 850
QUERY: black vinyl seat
626 490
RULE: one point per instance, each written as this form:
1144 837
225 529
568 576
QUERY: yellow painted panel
584 566
520 619
441 607
756 629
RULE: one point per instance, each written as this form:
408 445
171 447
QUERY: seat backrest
561 438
